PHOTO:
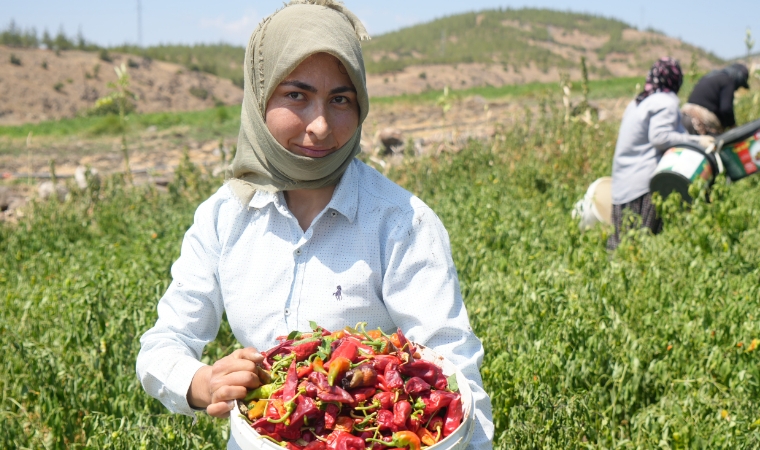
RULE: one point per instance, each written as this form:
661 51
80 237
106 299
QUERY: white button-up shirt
375 254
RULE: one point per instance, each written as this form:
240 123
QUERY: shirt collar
345 199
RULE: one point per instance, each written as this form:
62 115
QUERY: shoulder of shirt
388 194
661 100
221 204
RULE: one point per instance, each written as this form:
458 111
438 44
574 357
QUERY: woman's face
314 111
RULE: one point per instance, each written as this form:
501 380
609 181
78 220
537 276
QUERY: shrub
199 92
15 60
104 55
58 86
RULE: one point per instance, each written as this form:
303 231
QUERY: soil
48 85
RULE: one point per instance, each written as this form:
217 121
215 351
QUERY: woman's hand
217 387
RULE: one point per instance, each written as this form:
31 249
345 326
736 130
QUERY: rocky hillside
38 85
499 47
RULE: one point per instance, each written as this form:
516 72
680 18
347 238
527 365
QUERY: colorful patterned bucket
740 150
679 167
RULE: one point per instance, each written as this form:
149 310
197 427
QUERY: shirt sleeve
421 292
189 315
665 128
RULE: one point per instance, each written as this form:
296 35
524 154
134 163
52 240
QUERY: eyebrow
310 88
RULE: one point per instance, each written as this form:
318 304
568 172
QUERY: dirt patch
49 86
578 39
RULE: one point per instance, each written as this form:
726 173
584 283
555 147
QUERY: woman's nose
319 125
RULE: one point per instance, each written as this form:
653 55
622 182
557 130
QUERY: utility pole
139 24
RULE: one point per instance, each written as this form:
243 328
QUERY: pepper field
655 346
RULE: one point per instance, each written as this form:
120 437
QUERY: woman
304 231
710 109
651 125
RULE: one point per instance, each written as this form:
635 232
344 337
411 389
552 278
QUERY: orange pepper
318 365
338 334
426 437
338 366
344 424
374 334
257 410
396 341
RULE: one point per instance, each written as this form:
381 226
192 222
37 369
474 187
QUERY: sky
701 22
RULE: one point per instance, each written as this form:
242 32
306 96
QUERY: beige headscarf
278 45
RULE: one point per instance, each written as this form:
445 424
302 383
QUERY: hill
506 46
37 84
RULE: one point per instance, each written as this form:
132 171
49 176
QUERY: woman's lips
315 152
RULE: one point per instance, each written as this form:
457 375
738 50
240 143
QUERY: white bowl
248 439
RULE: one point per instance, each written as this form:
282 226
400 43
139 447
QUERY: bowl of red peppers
354 389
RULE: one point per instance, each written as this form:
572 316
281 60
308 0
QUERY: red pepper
405 344
305 407
416 385
392 377
340 440
442 382
309 388
316 445
436 400
291 383
419 368
338 367
331 415
292 446
362 394
265 428
346 349
435 425
281 348
453 416
385 420
414 422
401 411
385 399
305 349
381 361
328 393
304 371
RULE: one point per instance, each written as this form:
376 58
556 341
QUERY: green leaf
314 326
452 381
294 335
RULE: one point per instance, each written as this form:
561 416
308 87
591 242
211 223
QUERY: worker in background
710 109
651 125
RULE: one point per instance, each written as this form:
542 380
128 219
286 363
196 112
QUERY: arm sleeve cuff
174 394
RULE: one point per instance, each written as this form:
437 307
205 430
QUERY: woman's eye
340 99
295 95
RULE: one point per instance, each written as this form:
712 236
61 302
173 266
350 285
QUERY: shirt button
298 251
333 214
287 311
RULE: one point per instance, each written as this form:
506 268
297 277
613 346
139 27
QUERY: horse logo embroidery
337 294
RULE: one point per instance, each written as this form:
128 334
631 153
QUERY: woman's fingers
220 409
231 378
249 353
226 393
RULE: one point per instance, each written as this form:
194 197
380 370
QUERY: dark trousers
642 214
